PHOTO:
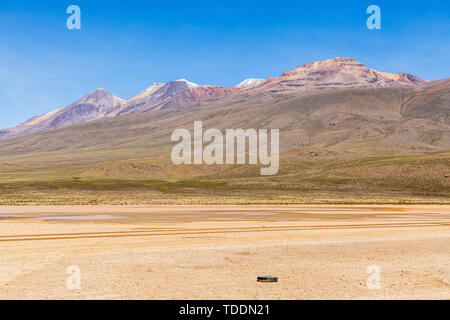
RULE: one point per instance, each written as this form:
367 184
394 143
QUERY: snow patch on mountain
249 83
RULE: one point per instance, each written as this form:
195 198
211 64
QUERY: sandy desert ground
217 252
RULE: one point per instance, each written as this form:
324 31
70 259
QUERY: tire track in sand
176 232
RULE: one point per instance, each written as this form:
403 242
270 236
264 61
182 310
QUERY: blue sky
124 46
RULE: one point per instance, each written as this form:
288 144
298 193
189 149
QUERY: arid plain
217 252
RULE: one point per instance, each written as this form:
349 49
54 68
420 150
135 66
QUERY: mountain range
327 75
347 132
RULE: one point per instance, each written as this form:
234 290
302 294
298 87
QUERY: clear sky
124 46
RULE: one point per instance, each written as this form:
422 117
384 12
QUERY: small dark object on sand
267 279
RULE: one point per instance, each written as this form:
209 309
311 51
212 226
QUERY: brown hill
101 104
371 119
371 145
172 94
336 73
98 104
331 74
